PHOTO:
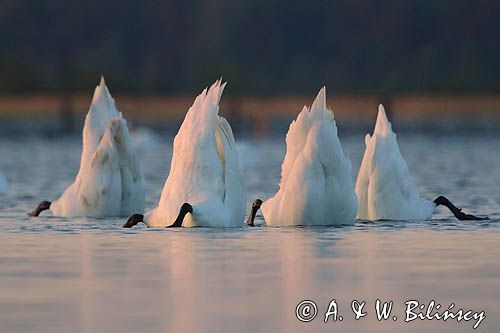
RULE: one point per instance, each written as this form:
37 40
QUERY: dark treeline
260 46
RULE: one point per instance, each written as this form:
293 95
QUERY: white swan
385 188
110 180
316 187
205 177
4 186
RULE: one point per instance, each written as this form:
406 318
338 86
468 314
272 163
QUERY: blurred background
434 64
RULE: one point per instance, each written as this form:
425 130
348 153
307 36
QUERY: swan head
133 220
185 209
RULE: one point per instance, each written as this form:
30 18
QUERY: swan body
204 171
384 187
316 186
110 180
4 186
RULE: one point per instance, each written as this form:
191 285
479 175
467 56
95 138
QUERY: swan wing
234 197
96 191
99 189
132 187
363 181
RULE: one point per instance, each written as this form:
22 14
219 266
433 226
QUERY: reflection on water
240 280
89 275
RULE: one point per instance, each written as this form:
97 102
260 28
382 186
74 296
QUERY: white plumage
385 188
204 171
110 181
316 186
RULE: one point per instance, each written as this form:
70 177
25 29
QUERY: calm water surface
90 275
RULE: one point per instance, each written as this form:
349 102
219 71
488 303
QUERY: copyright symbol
306 311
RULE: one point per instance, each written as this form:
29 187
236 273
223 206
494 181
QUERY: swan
316 187
4 186
110 181
385 188
205 187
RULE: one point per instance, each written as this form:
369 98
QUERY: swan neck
44 205
253 212
186 208
178 221
455 210
447 203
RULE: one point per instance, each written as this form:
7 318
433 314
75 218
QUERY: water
90 275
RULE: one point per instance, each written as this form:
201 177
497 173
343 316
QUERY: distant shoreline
344 106
266 115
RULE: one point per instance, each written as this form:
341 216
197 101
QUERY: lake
90 275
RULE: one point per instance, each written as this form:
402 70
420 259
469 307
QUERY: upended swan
110 181
317 186
205 187
385 188
4 186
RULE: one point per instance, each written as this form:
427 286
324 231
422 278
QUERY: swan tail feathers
383 125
